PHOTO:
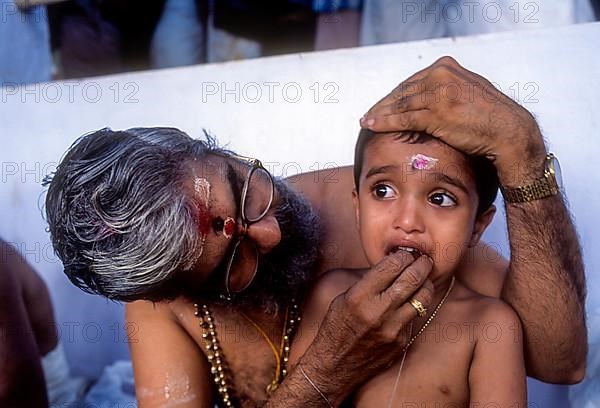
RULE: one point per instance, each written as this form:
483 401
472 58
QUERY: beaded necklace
218 365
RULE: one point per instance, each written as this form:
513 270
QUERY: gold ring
421 310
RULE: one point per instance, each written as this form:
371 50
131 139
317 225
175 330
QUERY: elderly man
216 255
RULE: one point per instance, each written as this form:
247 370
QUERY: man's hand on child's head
466 111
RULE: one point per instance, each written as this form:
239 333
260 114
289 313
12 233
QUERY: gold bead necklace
219 368
413 338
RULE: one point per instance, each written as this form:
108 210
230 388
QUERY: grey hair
119 216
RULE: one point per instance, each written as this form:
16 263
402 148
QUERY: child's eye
383 191
442 199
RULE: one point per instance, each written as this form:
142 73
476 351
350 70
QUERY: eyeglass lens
259 194
258 199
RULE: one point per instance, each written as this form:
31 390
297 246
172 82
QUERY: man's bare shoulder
145 309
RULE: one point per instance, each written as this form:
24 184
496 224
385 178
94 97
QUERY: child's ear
481 223
356 203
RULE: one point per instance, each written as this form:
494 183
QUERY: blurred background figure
33 367
338 24
388 21
99 37
181 34
34 371
24 44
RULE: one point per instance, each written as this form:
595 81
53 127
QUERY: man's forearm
546 286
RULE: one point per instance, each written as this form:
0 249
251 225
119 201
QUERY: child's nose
265 233
408 216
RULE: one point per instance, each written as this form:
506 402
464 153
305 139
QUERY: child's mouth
413 251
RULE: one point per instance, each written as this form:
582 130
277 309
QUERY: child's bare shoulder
486 310
331 284
327 287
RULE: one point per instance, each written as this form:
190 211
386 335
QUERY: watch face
554 168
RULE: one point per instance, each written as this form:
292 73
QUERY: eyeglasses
253 207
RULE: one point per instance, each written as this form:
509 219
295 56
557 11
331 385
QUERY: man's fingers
406 87
407 312
419 121
407 284
382 275
406 103
402 317
423 295
410 83
414 83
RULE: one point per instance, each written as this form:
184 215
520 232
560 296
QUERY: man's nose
265 233
408 216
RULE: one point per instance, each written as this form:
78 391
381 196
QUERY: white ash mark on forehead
202 188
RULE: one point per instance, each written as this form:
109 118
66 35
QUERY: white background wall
270 108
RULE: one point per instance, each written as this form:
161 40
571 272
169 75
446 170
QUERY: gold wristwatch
547 186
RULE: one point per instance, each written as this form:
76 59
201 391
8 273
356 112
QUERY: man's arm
165 357
545 283
546 286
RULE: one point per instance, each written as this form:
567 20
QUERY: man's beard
287 270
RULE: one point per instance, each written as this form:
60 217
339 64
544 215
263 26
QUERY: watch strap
540 188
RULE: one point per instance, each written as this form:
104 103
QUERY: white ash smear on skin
202 187
177 390
174 392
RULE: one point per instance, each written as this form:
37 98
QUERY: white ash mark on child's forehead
422 162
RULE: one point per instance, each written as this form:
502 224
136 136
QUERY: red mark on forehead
229 227
205 219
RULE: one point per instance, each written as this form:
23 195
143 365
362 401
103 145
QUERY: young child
414 193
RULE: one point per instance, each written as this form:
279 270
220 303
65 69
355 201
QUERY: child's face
428 202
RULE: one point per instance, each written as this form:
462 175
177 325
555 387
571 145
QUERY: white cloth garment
114 388
61 387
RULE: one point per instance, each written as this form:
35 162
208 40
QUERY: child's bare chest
435 374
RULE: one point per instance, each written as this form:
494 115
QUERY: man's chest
243 358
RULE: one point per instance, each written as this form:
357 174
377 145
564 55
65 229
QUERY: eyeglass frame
246 222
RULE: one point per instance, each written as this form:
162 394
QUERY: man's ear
356 203
481 223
